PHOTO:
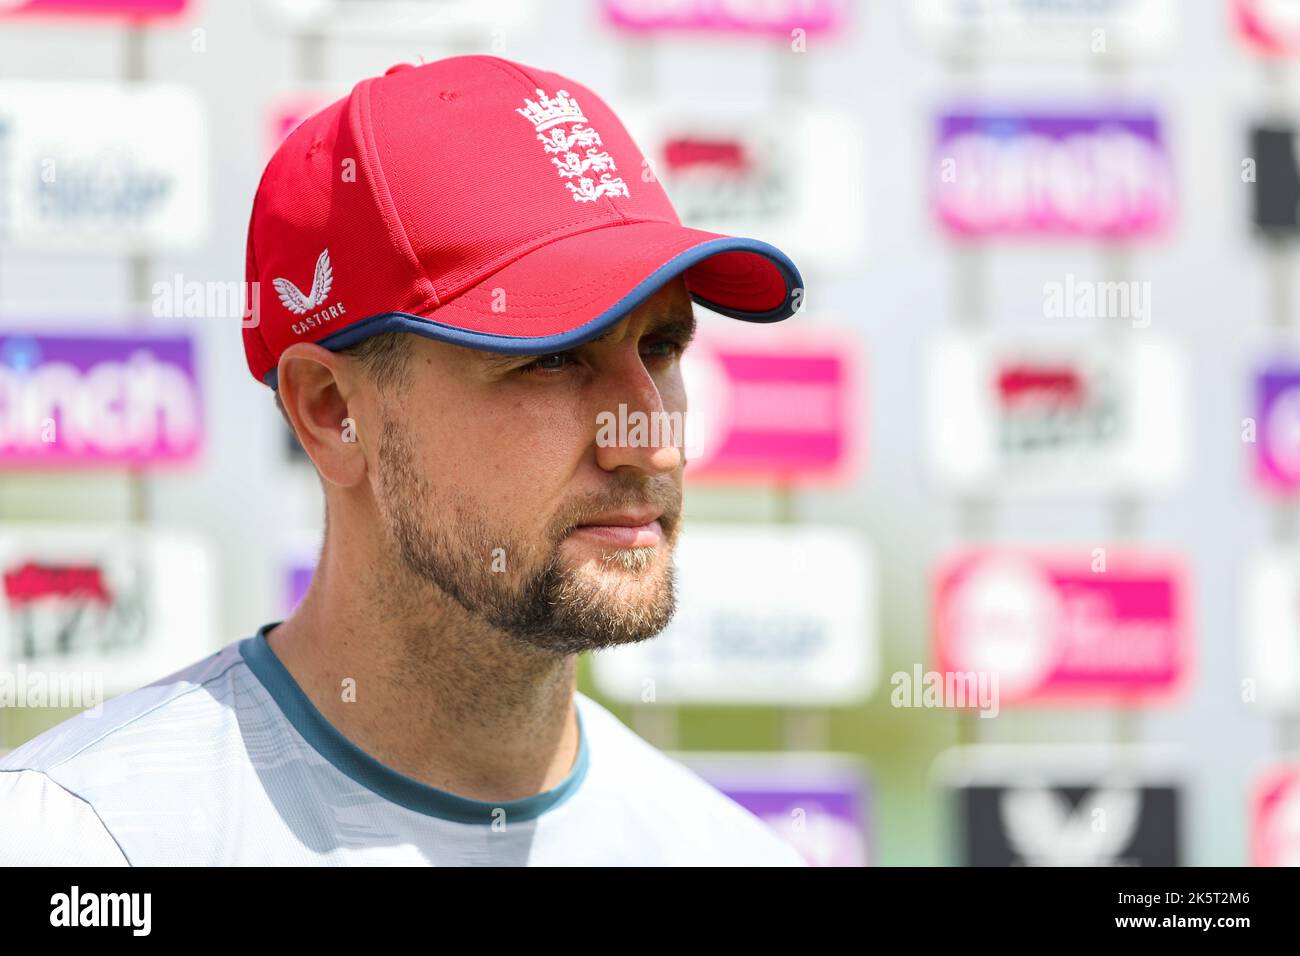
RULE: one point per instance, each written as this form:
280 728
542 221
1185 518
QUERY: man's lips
624 529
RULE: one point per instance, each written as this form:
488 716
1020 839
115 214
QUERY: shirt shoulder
43 824
686 819
100 733
67 795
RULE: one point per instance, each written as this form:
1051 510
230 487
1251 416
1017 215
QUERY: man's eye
555 362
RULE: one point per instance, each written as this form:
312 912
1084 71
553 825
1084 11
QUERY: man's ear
316 386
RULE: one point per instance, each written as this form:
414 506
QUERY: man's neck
431 692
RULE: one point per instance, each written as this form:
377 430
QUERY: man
489 266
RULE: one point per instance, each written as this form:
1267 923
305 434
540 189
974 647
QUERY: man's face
497 480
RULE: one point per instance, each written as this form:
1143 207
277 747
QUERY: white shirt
227 762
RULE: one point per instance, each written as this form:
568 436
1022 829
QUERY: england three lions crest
574 147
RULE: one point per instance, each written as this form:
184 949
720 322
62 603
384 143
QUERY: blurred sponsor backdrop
993 554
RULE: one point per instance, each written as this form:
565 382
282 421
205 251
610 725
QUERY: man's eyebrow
677 325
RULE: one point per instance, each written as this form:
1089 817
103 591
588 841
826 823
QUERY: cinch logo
142 406
102 909
1278 444
1028 174
552 114
293 299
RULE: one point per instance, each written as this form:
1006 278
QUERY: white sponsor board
396 18
1036 413
102 167
1272 645
131 604
794 176
1031 28
766 614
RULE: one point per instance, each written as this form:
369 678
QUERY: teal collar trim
405 791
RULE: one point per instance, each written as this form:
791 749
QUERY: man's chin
631 578
624 596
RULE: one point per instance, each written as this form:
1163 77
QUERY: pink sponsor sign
72 401
1275 818
1099 175
285 113
1269 27
129 9
732 16
1105 627
774 406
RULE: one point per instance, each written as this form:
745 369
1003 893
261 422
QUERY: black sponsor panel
1276 196
1068 826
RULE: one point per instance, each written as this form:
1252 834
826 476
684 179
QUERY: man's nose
633 429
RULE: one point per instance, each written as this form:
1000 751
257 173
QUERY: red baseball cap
482 202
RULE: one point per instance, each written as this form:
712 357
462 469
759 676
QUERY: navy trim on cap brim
560 341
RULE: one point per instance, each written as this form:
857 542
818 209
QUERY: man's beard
552 606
